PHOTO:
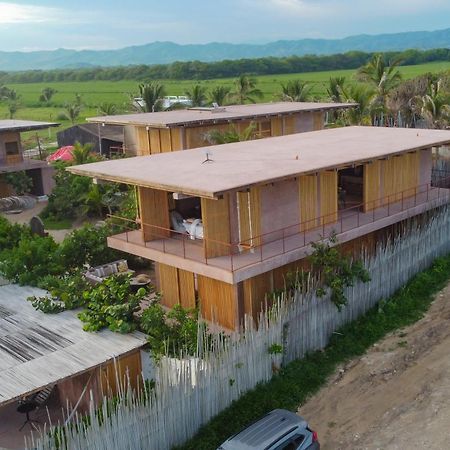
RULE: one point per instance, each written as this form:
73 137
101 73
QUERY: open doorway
350 187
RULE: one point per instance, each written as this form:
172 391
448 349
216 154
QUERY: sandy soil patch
397 396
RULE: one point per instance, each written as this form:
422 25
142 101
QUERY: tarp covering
62 154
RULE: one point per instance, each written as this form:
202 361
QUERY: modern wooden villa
12 157
226 230
167 131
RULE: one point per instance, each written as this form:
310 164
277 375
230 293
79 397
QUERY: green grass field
119 92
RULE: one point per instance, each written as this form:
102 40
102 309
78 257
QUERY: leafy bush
172 332
67 198
111 304
11 234
65 291
336 270
87 245
19 181
30 260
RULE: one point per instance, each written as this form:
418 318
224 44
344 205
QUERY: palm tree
82 153
295 91
71 112
364 96
152 94
335 90
383 76
12 99
197 95
219 95
245 90
107 109
231 135
435 107
47 94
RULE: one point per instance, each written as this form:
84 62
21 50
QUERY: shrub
111 304
11 234
19 181
87 245
172 332
31 260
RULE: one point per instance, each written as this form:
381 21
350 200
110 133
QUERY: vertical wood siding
216 226
154 210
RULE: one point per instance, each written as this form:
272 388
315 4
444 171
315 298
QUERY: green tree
231 135
364 96
71 112
219 95
152 93
107 109
46 95
245 90
82 153
383 76
197 95
295 91
434 106
336 88
12 99
20 182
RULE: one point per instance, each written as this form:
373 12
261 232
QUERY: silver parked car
278 430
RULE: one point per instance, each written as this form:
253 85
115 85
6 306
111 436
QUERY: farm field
119 92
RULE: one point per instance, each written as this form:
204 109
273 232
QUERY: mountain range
167 52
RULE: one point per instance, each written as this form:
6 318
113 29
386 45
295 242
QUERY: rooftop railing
238 255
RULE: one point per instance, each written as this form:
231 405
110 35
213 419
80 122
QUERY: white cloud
12 13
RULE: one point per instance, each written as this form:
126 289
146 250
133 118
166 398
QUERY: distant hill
167 52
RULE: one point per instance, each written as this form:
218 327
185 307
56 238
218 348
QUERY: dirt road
397 396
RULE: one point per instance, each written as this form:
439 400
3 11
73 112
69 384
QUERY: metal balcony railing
238 255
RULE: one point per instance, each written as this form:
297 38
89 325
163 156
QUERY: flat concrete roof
195 116
241 165
25 125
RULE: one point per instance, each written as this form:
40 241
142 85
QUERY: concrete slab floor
11 437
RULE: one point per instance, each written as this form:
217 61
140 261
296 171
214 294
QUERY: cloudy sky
99 24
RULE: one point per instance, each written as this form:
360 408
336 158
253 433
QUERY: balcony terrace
271 250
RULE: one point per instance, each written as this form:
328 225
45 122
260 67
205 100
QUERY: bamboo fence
191 391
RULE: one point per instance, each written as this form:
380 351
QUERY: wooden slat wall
168 285
308 201
175 136
143 144
250 217
155 141
372 185
277 126
218 302
400 176
194 137
165 140
127 367
412 173
154 210
216 226
243 125
388 171
289 124
318 120
186 287
255 290
328 196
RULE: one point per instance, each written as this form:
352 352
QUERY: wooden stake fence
191 391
